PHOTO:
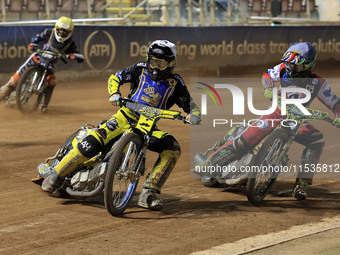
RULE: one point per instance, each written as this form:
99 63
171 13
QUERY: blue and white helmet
300 54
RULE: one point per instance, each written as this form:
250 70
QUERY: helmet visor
160 64
294 58
294 67
63 33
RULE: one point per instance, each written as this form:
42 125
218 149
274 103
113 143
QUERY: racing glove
194 117
268 93
336 122
114 99
32 46
78 57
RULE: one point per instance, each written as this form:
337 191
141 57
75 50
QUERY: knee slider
171 144
316 138
89 147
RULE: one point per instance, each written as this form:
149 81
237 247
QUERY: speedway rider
154 84
55 39
296 71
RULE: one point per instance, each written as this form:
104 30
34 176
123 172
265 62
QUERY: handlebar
138 107
185 121
62 56
330 120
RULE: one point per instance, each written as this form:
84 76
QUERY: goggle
63 32
294 67
160 64
294 58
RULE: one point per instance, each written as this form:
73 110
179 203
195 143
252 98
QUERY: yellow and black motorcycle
117 169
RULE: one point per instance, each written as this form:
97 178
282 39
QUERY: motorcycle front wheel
262 180
121 181
27 96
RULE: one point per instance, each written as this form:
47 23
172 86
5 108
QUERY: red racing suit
308 136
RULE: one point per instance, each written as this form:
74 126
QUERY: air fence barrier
115 47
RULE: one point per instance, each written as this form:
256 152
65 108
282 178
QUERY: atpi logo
239 101
99 50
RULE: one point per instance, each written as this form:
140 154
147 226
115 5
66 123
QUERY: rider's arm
268 79
271 76
72 52
336 109
181 96
129 74
326 96
114 84
183 99
42 37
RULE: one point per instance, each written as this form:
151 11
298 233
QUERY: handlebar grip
330 120
180 117
121 102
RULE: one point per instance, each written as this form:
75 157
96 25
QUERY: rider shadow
132 212
308 205
97 201
13 145
318 198
63 110
278 200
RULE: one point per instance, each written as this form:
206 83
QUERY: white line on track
17 228
259 242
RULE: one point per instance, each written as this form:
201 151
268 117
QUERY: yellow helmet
63 29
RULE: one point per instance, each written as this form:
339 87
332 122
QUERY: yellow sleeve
113 85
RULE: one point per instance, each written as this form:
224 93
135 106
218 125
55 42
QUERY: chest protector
152 93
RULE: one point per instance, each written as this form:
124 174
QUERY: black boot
5 91
47 99
150 199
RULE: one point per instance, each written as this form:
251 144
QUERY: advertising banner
115 47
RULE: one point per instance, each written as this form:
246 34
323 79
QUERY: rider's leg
90 146
169 152
51 82
85 150
14 80
9 86
231 134
228 152
239 146
314 142
202 157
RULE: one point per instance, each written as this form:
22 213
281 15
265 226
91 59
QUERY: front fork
40 86
139 167
282 158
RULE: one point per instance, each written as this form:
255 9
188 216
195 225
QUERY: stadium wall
109 48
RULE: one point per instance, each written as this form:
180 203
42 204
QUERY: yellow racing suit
161 94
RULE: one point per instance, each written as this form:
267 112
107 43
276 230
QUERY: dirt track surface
195 217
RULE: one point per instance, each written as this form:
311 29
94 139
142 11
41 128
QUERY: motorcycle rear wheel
27 98
119 185
261 181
